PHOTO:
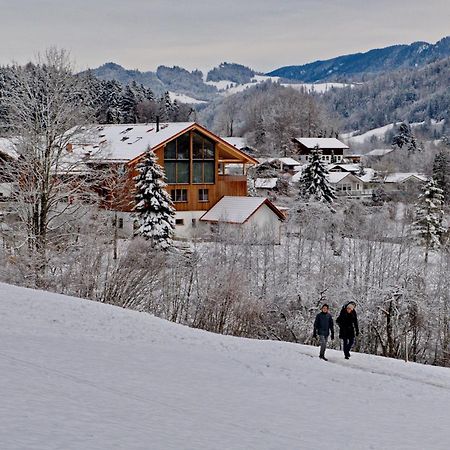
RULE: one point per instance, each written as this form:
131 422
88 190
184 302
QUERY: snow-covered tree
405 139
429 214
154 207
314 183
441 172
47 108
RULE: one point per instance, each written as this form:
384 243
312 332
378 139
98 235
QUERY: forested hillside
413 95
376 61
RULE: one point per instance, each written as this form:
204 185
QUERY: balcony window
176 160
204 159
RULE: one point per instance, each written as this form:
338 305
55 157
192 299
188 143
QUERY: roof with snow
321 143
401 177
368 176
380 152
126 142
336 177
237 142
265 183
345 167
238 209
288 161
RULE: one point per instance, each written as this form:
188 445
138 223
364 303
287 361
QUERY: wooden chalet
200 167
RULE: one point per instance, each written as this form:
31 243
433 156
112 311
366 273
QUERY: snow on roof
335 177
400 177
236 209
265 183
346 167
321 142
380 152
125 142
237 142
369 175
289 161
8 148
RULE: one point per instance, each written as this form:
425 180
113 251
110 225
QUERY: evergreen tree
441 173
405 138
429 214
314 183
128 106
154 207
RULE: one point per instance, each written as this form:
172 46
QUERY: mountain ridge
374 61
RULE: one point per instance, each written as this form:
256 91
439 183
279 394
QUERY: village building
247 217
403 182
200 168
332 149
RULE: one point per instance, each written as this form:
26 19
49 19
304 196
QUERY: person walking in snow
348 326
323 326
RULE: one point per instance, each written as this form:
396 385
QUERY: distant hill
376 61
174 79
414 94
236 73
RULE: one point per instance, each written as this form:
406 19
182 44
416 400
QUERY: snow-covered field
227 87
76 374
182 98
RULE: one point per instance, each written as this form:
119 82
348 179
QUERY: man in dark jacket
348 327
323 326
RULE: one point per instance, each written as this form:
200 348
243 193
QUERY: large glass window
176 160
203 153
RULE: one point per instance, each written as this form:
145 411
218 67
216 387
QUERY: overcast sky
143 34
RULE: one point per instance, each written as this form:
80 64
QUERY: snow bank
76 374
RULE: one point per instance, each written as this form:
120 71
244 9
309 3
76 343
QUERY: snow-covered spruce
154 208
314 183
429 215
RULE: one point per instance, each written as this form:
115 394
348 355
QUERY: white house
332 149
247 215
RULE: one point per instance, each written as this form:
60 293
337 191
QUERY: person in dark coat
348 326
323 326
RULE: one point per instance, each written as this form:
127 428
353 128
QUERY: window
176 160
120 222
344 187
357 186
203 195
179 221
179 195
204 163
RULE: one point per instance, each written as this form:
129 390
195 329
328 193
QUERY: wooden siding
234 185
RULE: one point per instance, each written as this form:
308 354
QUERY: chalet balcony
355 193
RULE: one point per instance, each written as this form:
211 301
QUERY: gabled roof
238 209
128 142
336 177
345 167
288 161
323 143
380 152
401 177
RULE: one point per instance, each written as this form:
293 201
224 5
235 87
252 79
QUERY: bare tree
47 108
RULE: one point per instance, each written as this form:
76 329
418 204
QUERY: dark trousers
323 344
348 344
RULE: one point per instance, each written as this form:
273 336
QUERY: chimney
157 123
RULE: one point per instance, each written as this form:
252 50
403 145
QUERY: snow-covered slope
76 374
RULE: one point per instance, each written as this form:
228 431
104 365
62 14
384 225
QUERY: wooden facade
191 195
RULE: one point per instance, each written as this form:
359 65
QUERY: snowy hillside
76 374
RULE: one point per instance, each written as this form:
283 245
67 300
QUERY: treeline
112 102
269 115
413 95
